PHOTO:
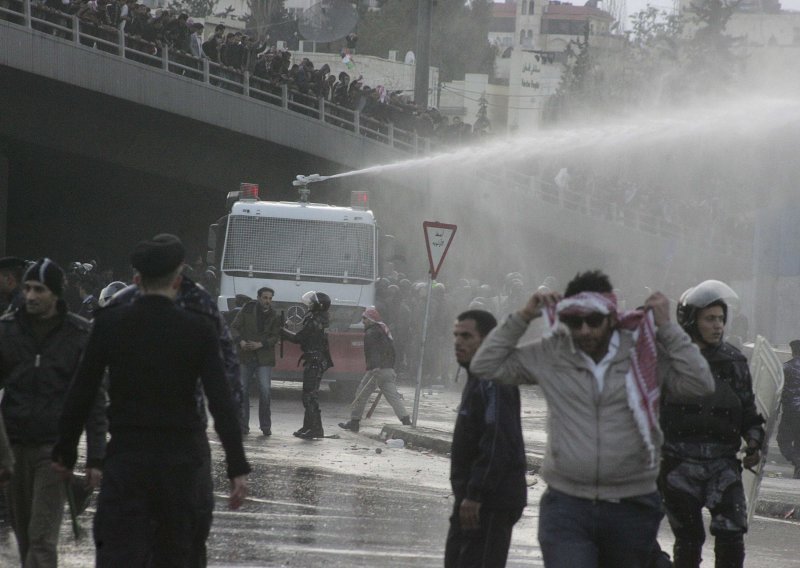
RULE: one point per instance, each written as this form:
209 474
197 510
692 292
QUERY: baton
77 530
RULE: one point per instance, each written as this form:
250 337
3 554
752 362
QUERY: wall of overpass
90 69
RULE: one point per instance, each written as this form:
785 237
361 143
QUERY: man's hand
93 477
539 300
753 455
469 514
659 303
61 470
238 492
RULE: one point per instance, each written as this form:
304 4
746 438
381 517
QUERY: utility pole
423 54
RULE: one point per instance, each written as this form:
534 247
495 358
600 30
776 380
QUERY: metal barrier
69 27
632 218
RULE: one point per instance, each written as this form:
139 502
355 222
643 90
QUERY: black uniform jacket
155 351
36 375
487 459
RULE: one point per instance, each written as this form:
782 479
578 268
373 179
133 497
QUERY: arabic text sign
438 237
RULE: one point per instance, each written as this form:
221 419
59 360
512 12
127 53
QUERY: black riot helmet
706 294
317 301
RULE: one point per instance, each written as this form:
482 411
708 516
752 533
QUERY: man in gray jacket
601 377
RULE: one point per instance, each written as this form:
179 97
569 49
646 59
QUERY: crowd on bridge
233 53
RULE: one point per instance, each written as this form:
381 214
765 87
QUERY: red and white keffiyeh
641 381
374 316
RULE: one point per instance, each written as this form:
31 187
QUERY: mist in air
659 199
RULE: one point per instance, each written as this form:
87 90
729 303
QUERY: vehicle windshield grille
324 249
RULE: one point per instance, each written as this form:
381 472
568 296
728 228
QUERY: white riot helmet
108 292
316 301
705 294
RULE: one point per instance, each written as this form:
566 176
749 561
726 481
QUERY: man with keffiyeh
380 359
602 373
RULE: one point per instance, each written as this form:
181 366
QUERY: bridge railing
112 40
714 236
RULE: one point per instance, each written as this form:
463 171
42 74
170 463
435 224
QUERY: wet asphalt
353 501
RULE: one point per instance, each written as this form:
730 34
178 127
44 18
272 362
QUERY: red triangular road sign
438 237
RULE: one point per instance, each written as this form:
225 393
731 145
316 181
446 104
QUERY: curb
437 441
777 510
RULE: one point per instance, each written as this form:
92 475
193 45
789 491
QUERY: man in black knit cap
41 344
154 351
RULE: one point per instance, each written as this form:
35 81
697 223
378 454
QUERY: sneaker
299 433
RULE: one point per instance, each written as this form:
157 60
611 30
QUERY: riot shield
767 372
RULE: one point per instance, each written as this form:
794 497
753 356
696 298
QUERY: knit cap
48 273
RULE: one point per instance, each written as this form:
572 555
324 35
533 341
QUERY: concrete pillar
3 201
421 72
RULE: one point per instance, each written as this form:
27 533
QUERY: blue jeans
581 533
264 383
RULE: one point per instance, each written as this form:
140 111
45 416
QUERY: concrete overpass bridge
102 143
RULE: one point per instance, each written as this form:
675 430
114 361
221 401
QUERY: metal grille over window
324 249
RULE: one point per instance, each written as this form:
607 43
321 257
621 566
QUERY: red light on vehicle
359 199
248 191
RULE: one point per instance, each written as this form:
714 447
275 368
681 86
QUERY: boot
729 553
352 425
304 428
315 431
687 554
406 420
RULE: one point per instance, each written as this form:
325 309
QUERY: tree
712 60
482 123
577 90
666 59
459 41
195 8
264 14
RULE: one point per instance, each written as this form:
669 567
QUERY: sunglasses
593 320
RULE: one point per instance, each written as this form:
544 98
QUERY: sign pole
422 352
438 237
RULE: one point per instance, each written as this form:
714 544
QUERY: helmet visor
709 292
309 298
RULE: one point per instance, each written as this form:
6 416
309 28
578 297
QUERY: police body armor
715 419
314 341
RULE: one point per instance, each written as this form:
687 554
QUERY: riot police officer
699 465
316 359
